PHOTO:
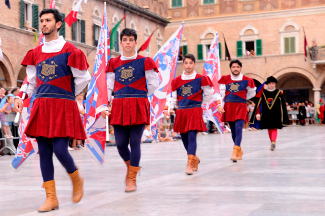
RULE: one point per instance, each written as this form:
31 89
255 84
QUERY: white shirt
145 134
81 77
207 91
151 77
251 92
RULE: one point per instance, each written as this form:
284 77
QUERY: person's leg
274 134
136 132
184 137
45 148
270 133
233 130
122 137
192 144
60 146
239 131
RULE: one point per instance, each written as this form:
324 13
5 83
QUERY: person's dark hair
14 90
57 15
235 61
129 32
7 92
189 56
8 98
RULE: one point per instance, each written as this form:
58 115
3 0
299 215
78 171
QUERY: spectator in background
15 91
247 53
77 144
163 135
288 107
252 53
146 137
7 110
2 93
320 112
111 138
302 114
174 135
312 113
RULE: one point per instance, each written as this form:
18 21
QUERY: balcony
317 55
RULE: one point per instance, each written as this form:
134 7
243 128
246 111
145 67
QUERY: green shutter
259 47
22 14
219 44
184 50
176 3
35 16
199 52
74 31
83 31
239 49
62 29
293 45
208 1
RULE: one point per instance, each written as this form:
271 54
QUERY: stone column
316 95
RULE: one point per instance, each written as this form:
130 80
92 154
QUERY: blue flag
8 3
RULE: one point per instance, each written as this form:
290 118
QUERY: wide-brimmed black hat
271 79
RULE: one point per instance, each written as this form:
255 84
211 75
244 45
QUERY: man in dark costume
271 109
302 114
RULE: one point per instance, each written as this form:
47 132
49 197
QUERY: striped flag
212 69
166 61
72 17
97 98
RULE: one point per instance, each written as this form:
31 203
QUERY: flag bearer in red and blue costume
132 78
236 89
189 91
56 72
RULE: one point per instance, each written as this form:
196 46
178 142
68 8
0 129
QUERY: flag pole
106 54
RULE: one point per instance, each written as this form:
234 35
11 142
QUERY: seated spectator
163 135
146 138
111 136
174 135
7 110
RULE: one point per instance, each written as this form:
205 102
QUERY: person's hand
258 117
104 114
220 109
18 105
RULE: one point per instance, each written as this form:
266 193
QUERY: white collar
237 78
53 45
188 77
124 58
271 90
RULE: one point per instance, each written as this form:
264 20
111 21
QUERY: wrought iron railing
317 53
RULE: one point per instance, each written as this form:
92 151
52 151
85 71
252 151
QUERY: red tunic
130 105
236 98
54 112
189 115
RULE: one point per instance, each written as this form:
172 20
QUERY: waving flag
212 69
97 98
26 146
166 61
145 45
72 17
41 38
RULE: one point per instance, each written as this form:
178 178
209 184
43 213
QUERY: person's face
287 103
11 100
271 85
188 65
3 91
235 69
49 25
303 103
296 103
128 43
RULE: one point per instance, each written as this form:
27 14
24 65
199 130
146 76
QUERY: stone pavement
287 182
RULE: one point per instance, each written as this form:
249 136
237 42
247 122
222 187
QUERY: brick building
17 40
272 28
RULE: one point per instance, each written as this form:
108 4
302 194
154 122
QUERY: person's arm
5 107
81 79
152 81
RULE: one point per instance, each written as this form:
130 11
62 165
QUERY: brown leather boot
189 167
51 202
195 164
235 153
132 179
127 163
240 154
77 183
272 145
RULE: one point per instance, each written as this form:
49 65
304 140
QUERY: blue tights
189 141
129 134
236 128
59 146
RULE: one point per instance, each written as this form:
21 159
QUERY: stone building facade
17 40
272 28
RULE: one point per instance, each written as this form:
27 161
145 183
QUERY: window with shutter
259 47
199 52
83 31
289 45
35 16
22 14
208 1
62 29
74 31
219 45
184 50
239 49
176 3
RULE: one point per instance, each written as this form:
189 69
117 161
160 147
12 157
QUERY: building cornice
11 28
135 9
256 16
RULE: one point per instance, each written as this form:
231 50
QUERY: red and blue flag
212 69
97 98
166 61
